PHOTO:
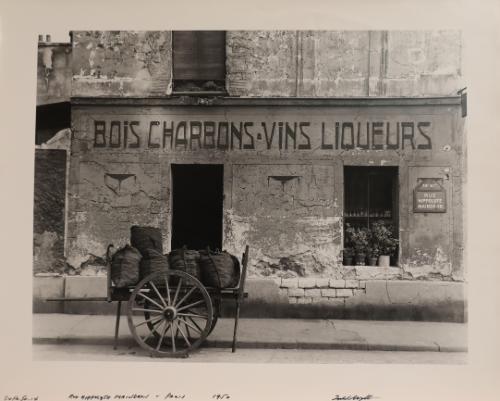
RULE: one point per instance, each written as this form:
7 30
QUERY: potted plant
348 253
348 256
383 238
373 254
359 238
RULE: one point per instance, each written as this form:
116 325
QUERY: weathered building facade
278 140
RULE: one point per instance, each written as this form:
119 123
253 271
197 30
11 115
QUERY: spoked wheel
170 314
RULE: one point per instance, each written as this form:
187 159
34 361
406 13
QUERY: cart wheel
170 313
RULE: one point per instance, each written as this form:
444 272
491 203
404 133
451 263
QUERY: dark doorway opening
50 119
197 196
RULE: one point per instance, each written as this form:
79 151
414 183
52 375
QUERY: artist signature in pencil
353 397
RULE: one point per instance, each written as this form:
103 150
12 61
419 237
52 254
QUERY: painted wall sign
429 196
246 135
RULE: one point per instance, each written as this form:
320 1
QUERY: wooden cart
171 313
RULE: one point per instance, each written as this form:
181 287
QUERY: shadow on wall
52 140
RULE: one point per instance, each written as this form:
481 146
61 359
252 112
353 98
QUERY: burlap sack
186 260
125 267
144 238
153 262
219 269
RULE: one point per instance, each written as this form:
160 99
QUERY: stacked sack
213 269
149 243
132 263
125 266
186 260
219 269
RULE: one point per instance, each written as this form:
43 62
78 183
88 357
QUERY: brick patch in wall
307 282
322 282
289 283
319 290
328 292
304 300
351 284
296 292
313 292
337 283
320 300
344 292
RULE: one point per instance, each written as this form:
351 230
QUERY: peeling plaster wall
272 63
53 73
297 63
422 63
121 63
287 204
343 63
112 194
287 213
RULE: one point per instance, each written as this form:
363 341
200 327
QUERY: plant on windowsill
373 253
348 256
359 237
383 238
348 252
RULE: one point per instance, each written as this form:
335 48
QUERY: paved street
80 352
312 334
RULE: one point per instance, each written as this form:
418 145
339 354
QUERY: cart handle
244 263
108 272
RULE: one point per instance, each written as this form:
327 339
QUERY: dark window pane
199 55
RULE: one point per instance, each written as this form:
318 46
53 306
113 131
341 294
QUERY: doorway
197 197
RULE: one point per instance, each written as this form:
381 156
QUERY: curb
352 346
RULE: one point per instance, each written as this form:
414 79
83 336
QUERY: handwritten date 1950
221 397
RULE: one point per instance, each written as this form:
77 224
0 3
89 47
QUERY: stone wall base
296 298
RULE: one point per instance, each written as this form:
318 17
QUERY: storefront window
370 195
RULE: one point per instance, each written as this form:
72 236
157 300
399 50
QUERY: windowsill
378 267
199 93
376 272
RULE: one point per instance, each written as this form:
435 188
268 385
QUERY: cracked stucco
375 63
277 63
294 227
121 63
290 212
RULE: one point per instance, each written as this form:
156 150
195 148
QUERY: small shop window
199 61
370 199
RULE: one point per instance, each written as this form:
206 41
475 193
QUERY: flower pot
360 259
384 261
372 261
347 261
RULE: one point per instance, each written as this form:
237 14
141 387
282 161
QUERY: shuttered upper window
199 61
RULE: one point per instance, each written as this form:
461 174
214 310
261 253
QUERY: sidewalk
272 333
